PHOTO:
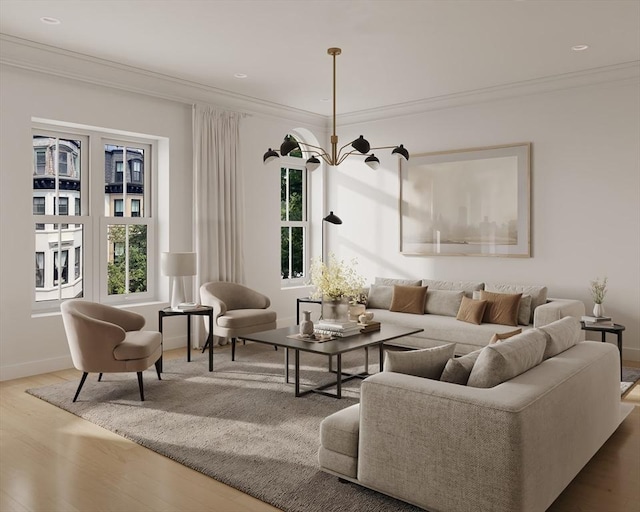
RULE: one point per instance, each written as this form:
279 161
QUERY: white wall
585 193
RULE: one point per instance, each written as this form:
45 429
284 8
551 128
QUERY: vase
598 310
355 310
335 310
306 326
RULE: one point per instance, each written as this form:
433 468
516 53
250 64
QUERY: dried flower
598 289
336 279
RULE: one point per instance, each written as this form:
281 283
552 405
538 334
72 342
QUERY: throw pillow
471 311
502 308
443 302
379 296
408 299
561 335
458 369
503 361
538 293
468 287
500 336
427 362
388 281
524 312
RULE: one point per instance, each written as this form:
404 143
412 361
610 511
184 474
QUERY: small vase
355 310
335 310
306 326
598 310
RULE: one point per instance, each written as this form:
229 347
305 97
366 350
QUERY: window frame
289 282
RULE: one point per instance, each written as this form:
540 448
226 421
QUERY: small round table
604 329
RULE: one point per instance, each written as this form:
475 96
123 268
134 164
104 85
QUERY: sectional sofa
442 305
507 447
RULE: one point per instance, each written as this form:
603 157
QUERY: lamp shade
400 150
288 146
361 144
372 161
270 156
313 163
178 263
333 219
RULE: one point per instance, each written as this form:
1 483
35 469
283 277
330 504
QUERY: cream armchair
237 310
104 339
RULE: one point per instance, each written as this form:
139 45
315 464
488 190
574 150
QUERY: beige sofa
454 448
443 300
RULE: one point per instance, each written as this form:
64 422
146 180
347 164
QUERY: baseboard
630 354
54 364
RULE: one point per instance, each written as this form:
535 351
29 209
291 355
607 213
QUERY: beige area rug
629 377
241 424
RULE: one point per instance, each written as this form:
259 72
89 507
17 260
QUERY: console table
306 300
199 311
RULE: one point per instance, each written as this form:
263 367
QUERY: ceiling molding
33 56
626 72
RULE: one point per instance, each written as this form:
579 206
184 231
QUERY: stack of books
338 329
369 326
597 321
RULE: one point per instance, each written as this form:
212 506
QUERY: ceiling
393 52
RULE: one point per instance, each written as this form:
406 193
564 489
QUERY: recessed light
580 47
240 75
48 20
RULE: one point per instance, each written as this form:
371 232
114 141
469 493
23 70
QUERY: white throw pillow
427 362
562 334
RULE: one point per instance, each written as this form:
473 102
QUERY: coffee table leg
188 338
339 375
366 359
381 349
297 368
286 365
210 342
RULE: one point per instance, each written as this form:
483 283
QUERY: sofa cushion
502 308
426 362
561 335
443 302
388 281
239 318
408 299
137 345
538 293
471 311
468 287
501 336
502 361
379 296
458 369
339 431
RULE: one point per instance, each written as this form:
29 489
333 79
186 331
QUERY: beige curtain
218 195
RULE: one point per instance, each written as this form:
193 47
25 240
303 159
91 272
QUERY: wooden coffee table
335 347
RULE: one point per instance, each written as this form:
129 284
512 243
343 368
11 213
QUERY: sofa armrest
555 309
513 447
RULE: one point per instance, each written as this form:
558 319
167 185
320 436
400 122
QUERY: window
81 219
293 224
76 263
39 270
118 208
136 171
135 207
119 172
39 209
60 266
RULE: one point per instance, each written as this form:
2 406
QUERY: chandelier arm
342 158
320 150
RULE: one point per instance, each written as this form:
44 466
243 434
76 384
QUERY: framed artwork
469 202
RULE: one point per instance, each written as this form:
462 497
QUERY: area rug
241 424
629 377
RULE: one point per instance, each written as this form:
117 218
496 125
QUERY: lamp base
177 292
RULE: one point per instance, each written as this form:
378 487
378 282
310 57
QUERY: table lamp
178 265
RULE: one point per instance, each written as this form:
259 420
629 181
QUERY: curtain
218 196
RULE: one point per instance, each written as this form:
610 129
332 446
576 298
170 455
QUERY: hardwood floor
53 461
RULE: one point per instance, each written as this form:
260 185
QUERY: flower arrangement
335 280
598 290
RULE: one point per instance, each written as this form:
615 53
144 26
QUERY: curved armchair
237 310
104 339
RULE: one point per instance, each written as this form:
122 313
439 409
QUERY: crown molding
32 56
29 55
626 72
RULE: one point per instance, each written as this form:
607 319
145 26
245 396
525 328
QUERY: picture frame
467 202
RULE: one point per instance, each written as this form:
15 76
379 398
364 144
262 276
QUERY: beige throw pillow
408 299
379 296
503 361
427 362
471 311
458 369
561 335
443 302
500 336
502 308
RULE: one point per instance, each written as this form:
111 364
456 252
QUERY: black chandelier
360 145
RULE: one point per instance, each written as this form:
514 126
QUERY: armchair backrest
233 296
